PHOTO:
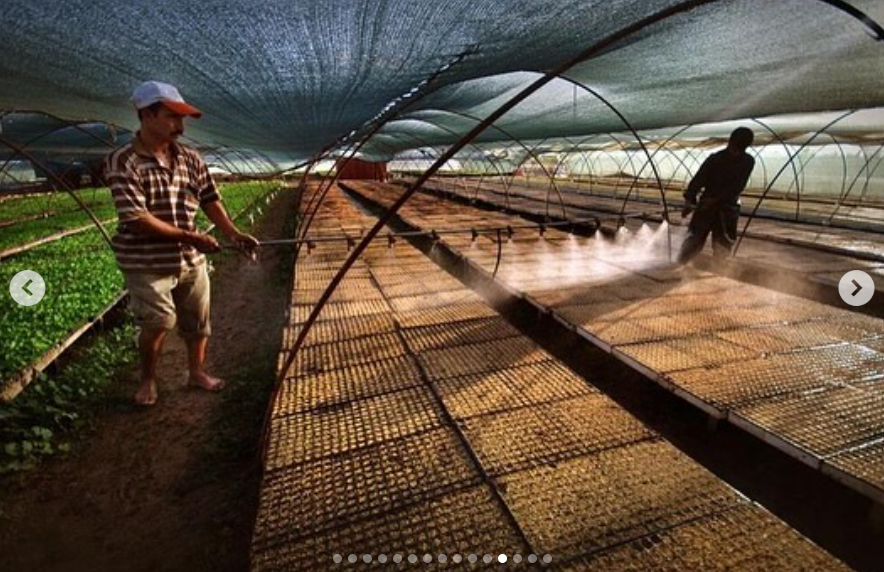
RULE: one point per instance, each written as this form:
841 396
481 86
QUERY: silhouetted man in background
719 182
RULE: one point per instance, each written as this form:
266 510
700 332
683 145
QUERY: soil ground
173 487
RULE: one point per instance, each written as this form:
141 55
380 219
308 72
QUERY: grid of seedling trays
739 352
457 436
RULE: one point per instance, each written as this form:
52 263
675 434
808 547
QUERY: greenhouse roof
288 78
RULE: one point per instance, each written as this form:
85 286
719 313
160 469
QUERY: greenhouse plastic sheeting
290 77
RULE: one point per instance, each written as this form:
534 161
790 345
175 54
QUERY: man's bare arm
218 215
147 223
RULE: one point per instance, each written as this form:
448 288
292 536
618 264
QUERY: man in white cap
158 185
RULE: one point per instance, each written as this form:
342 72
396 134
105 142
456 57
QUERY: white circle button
27 287
856 288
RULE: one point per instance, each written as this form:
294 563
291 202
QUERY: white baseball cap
151 92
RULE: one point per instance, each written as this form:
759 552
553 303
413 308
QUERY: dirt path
175 487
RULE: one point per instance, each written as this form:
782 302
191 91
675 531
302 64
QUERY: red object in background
359 169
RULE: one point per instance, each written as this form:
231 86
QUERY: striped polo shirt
174 195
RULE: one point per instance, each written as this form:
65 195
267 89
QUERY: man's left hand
248 244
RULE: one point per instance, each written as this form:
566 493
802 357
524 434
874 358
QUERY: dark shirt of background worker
719 182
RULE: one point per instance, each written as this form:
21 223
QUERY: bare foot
206 382
146 394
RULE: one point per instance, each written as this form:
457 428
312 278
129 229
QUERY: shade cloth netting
287 77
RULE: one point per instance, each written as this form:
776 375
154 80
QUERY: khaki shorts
159 301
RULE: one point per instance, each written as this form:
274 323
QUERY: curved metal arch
664 147
275 170
507 179
842 194
61 183
55 176
873 28
324 188
262 178
65 125
790 161
866 159
566 154
352 149
530 151
804 163
871 172
531 155
650 160
253 163
780 172
11 176
621 168
315 202
856 178
681 162
534 155
222 152
583 154
759 156
680 165
394 109
575 148
635 134
553 184
475 147
76 124
58 178
868 178
693 155
759 159
606 153
844 167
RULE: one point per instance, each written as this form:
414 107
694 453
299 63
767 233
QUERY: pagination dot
501 558
367 558
338 558
547 558
352 559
